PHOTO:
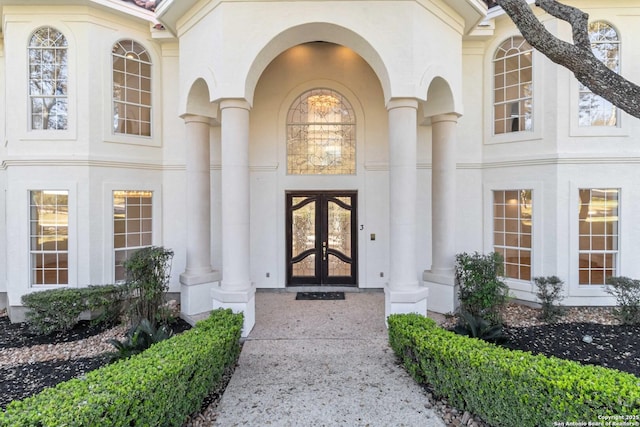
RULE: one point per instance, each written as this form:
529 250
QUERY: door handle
324 251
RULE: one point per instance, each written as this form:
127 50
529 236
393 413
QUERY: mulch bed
20 381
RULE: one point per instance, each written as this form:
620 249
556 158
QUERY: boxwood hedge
510 388
159 387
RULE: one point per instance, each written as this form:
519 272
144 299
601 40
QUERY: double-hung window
512 226
132 226
49 236
598 234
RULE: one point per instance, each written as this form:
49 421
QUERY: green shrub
506 387
158 387
140 338
549 293
57 310
627 293
148 273
477 327
481 292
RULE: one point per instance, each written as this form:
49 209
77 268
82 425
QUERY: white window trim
25 234
156 221
537 98
25 132
155 140
575 288
537 224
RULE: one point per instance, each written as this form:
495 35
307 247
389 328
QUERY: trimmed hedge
506 387
159 387
56 310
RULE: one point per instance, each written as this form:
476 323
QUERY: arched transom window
321 134
594 110
513 87
131 89
48 72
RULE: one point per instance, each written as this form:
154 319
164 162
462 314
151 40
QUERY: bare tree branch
577 57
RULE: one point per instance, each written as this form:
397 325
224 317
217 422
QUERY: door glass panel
339 227
306 267
303 227
337 267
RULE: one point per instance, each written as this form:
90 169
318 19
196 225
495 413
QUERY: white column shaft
402 197
198 210
235 195
443 192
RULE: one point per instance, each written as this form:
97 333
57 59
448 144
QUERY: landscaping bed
466 378
145 384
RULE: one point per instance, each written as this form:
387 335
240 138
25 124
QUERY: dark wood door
322 238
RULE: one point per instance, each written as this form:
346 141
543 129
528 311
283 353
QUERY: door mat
320 296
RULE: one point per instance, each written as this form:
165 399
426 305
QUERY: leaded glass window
593 110
321 134
48 71
513 87
131 89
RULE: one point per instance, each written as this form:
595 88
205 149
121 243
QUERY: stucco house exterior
275 144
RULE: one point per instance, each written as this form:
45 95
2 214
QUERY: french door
322 238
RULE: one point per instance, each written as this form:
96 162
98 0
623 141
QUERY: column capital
195 118
234 103
402 103
450 117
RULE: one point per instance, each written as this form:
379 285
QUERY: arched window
131 89
594 110
48 73
513 87
321 134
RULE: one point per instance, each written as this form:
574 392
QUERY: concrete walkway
321 363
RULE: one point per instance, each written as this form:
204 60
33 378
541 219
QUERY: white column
443 187
404 293
236 291
196 281
440 278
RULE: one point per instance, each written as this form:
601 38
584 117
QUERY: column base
405 301
238 301
195 292
443 293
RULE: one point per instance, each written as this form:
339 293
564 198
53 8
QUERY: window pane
592 109
598 239
49 228
48 79
512 231
132 226
131 89
513 79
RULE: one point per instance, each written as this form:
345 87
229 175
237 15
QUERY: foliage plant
481 292
627 293
58 310
161 386
148 273
509 388
140 338
549 292
477 327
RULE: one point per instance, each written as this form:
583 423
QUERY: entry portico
237 86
